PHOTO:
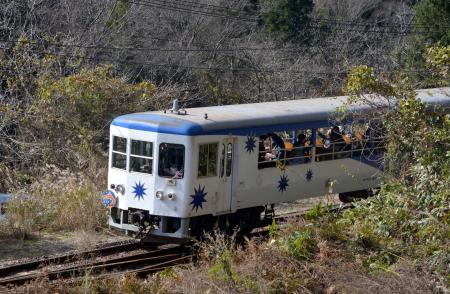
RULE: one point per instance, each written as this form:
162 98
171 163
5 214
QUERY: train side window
229 158
368 138
119 152
222 161
171 160
299 149
332 143
207 160
141 156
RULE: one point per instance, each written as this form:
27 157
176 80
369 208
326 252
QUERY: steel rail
105 250
142 259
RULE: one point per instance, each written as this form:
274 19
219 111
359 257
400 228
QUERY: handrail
319 155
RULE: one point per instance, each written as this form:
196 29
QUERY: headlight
159 195
120 189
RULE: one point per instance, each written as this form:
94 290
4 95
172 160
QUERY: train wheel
249 219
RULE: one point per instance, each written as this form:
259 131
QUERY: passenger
322 136
301 140
277 145
336 140
307 148
263 155
346 149
301 150
325 150
321 145
335 134
262 148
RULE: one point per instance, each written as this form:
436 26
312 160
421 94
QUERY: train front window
171 160
141 156
119 153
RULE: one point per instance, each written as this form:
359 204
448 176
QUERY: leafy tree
81 106
432 24
433 19
55 110
438 62
410 216
120 9
289 19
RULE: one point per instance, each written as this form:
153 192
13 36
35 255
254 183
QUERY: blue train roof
255 118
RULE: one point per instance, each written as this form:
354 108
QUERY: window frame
141 156
287 158
330 153
119 152
229 159
208 156
159 160
222 155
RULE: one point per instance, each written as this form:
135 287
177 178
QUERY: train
176 173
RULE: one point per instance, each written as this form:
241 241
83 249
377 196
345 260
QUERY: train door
140 179
226 175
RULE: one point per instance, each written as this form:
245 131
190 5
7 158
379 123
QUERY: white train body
164 181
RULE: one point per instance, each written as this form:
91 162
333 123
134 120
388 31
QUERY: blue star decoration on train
139 190
198 198
309 175
250 144
283 183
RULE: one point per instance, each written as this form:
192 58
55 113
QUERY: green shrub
315 212
410 216
300 244
273 229
222 267
57 110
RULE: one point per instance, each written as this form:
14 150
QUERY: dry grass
265 268
85 240
57 201
302 257
259 267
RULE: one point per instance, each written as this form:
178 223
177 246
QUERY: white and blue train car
174 174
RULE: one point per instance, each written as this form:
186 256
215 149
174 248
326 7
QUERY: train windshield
141 156
119 153
171 160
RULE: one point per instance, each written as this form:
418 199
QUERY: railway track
142 263
109 260
35 264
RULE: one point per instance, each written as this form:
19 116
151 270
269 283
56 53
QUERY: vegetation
432 17
288 18
395 242
60 111
59 200
62 82
58 95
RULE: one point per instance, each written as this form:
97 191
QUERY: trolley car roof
256 118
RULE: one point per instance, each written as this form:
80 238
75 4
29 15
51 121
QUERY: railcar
174 174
